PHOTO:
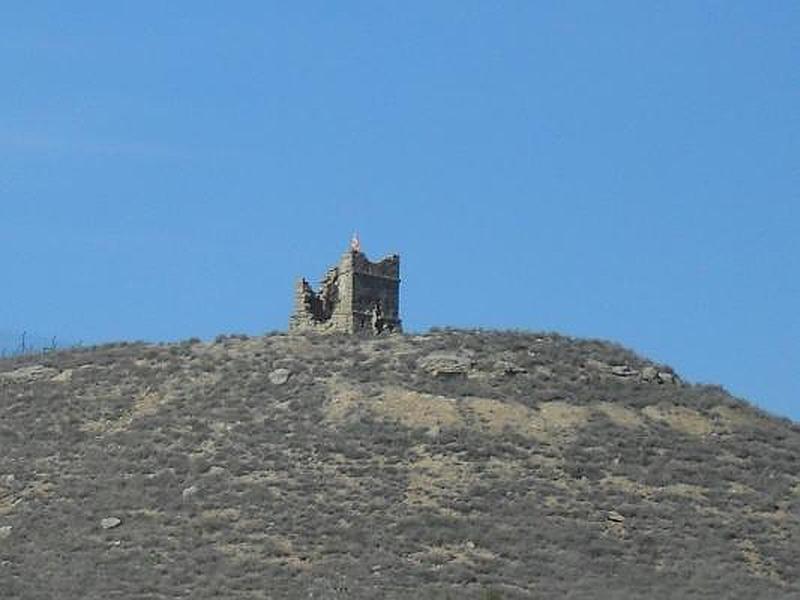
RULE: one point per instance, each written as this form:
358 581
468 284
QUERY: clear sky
621 170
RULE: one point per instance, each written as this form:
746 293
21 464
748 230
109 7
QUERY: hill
454 464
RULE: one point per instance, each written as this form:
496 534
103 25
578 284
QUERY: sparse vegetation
538 473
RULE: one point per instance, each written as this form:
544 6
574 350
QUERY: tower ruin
355 296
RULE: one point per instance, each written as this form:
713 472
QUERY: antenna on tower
355 243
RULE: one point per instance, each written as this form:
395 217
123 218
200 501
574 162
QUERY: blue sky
621 170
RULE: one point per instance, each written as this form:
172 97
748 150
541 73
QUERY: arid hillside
448 465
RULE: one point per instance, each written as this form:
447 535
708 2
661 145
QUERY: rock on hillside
447 465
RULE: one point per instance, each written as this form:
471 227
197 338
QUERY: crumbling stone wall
356 296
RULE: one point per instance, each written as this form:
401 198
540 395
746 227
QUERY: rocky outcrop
648 374
442 363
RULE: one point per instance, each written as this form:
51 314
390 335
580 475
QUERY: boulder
667 377
649 374
623 371
110 522
188 493
597 365
279 376
64 377
615 517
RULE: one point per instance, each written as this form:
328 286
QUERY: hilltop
454 464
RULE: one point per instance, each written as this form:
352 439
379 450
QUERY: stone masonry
356 296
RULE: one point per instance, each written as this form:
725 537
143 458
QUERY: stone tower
356 296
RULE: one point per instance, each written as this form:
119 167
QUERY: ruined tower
356 296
